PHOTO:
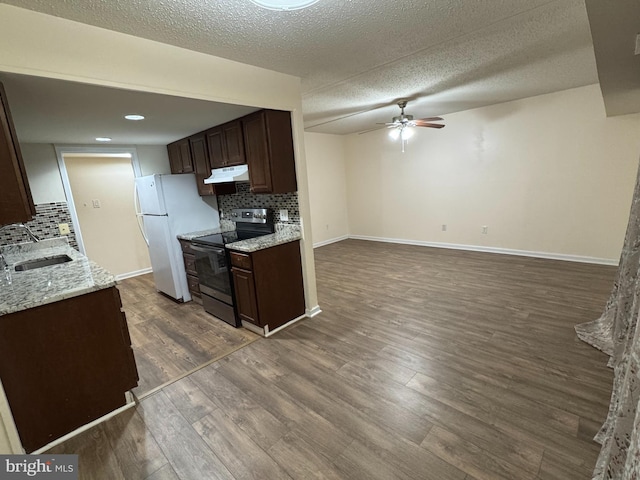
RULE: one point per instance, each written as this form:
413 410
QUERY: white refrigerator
169 205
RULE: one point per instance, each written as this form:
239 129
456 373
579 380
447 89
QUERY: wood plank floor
172 339
425 364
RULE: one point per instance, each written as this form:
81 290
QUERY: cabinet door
175 161
65 364
257 152
234 143
185 156
16 203
174 158
200 159
215 142
245 295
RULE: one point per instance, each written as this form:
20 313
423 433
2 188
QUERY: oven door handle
217 251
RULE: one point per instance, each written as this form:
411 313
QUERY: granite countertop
284 234
32 288
203 233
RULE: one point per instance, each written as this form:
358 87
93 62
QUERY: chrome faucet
32 236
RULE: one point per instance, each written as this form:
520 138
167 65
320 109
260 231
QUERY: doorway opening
99 186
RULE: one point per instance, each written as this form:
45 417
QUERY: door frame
90 151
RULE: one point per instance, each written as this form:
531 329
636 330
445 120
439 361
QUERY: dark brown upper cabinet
202 166
268 143
16 203
226 145
180 156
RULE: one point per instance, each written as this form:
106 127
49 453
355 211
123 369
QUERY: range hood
239 173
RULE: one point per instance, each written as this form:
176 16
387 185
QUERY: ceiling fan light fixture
394 133
284 5
406 133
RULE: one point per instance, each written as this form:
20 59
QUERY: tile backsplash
243 198
44 225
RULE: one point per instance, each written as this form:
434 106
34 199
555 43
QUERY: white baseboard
265 332
312 312
331 240
124 276
502 251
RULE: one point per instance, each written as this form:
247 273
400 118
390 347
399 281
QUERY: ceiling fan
401 125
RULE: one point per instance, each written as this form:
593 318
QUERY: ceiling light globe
406 133
284 5
394 133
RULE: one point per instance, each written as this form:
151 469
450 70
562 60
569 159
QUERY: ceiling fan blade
430 125
430 119
392 124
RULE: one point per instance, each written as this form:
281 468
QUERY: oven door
213 272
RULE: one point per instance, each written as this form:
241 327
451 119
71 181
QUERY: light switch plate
64 228
284 215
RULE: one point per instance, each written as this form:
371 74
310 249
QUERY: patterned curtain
615 333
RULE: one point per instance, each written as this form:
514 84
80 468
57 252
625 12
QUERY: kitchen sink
42 262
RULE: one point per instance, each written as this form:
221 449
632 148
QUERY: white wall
36 44
327 187
43 173
110 234
549 174
153 159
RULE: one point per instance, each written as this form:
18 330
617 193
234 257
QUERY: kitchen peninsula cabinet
268 285
268 143
226 145
16 203
180 156
65 364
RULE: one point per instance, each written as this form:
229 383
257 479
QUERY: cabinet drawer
190 264
186 247
241 260
194 285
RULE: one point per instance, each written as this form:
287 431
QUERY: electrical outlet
444 227
485 229
64 228
284 215
95 203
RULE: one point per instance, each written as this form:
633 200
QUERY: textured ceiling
357 57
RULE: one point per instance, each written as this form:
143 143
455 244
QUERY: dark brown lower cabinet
245 295
268 285
189 257
65 364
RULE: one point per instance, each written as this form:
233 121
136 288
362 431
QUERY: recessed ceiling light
284 5
103 139
134 116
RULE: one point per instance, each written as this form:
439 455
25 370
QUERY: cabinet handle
217 251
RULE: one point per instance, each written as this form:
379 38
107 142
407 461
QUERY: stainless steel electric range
213 260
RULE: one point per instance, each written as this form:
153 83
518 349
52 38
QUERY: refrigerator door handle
136 206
